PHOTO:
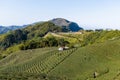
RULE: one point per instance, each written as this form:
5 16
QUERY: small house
61 49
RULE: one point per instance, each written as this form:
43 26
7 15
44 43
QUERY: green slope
102 58
99 61
33 61
24 56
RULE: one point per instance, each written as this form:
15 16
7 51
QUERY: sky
89 14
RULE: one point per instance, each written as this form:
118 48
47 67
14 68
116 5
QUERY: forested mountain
32 31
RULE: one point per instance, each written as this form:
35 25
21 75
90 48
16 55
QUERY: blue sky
87 13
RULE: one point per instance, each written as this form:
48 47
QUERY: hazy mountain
67 25
16 27
4 29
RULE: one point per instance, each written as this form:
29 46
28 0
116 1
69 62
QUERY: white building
61 49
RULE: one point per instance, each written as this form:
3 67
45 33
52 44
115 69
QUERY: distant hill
66 25
4 29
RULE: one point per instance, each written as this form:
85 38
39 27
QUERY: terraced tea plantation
34 61
100 61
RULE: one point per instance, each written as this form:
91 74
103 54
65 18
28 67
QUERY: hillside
99 61
102 59
39 61
70 39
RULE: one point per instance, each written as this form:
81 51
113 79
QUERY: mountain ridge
64 23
